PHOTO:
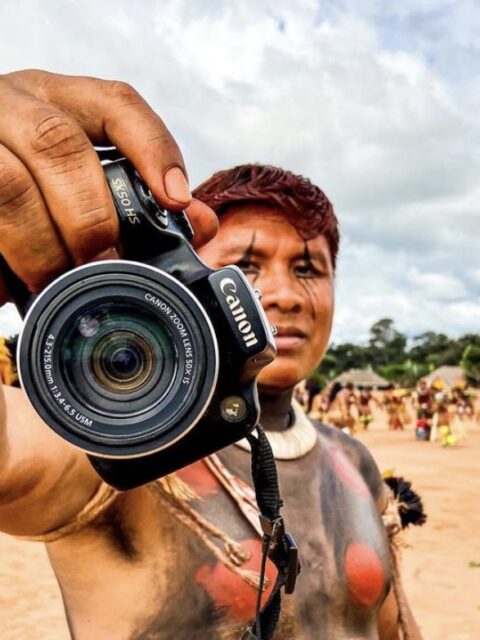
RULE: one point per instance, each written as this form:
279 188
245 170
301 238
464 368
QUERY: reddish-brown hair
304 205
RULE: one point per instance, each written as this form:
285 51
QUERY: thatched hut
363 378
448 376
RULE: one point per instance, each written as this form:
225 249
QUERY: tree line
389 353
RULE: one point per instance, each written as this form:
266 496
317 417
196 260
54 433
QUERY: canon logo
229 290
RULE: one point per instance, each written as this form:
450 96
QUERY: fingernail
176 185
108 254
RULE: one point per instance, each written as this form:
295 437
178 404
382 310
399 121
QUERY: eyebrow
320 256
305 255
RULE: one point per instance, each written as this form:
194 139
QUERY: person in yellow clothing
8 371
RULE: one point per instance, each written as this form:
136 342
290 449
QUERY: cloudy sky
377 102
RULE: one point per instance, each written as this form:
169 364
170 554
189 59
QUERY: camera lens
119 358
122 362
113 352
123 365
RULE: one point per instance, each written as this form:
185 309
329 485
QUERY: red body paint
200 479
347 473
364 573
230 591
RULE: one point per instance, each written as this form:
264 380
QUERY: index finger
112 112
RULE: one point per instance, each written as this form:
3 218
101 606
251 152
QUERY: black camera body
148 363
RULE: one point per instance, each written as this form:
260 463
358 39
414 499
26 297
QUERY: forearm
395 618
392 624
43 480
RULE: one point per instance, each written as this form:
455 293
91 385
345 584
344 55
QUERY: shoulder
360 456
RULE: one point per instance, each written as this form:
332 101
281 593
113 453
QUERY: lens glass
117 351
122 361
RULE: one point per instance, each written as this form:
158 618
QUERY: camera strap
278 545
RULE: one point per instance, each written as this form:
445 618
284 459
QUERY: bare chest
152 573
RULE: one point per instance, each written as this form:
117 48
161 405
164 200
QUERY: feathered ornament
409 503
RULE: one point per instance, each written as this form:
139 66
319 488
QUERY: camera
150 362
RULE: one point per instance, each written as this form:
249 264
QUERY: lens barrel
119 358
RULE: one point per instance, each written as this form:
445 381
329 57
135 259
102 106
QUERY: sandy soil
442 584
441 581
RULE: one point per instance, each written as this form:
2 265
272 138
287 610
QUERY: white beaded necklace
292 443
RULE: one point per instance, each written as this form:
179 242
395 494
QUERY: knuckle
167 143
26 78
164 148
38 275
34 253
36 279
96 229
42 80
16 192
57 138
122 92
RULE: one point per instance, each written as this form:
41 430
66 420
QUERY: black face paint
306 283
246 258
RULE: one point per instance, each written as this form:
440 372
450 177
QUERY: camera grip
21 297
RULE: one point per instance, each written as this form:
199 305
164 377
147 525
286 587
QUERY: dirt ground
441 564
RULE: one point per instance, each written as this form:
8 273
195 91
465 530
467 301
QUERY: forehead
262 227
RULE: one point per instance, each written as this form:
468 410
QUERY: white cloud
376 103
10 322
440 286
474 275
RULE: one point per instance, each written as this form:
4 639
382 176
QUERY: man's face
296 280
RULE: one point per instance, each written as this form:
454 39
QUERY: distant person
300 394
340 402
313 388
7 369
442 419
423 403
394 404
365 401
463 401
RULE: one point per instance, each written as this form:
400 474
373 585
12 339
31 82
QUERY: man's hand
55 207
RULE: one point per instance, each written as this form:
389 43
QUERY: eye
307 270
248 267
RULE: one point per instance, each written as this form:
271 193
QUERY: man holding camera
179 558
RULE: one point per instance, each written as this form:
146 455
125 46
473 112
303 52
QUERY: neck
275 408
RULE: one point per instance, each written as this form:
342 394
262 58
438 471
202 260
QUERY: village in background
428 384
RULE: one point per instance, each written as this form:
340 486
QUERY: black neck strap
278 546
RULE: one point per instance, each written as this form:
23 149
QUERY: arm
403 507
43 481
395 619
56 211
390 619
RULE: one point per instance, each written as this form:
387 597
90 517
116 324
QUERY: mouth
289 338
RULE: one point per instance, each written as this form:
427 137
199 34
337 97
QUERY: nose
280 291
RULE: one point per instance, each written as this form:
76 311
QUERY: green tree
404 373
342 357
386 344
436 349
386 352
470 362
327 369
